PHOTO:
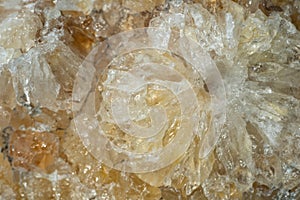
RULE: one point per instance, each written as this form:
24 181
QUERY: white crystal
33 77
18 30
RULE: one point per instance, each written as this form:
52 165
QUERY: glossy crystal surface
50 99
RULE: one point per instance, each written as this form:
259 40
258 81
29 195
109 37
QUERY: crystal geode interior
145 100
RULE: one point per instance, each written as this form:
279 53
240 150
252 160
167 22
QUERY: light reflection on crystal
255 45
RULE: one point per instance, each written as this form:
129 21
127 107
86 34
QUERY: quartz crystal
18 30
33 150
156 99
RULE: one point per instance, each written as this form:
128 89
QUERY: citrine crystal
156 99
33 150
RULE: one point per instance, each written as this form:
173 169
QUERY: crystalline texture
31 75
33 150
139 6
18 30
255 45
85 6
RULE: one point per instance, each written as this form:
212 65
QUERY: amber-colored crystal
254 44
33 150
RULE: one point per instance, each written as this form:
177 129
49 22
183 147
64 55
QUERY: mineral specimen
216 80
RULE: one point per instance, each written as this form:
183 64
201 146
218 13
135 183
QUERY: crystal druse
254 44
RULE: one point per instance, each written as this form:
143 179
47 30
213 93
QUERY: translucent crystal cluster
52 104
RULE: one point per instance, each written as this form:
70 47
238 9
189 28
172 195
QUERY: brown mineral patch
33 150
